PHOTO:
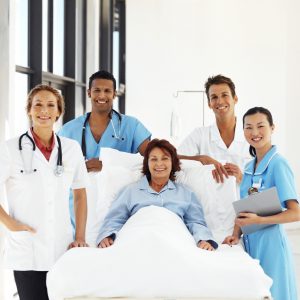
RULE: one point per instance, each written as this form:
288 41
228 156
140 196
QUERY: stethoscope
58 171
115 135
254 188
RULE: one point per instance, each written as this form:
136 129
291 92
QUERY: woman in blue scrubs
268 168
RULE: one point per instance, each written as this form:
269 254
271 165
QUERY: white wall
292 98
176 44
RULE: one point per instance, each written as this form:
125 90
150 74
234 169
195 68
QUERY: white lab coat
207 141
41 200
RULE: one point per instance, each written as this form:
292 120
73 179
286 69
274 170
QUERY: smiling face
102 94
44 109
221 100
160 164
258 132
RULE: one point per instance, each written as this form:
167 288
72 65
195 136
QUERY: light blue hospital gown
175 197
131 131
270 245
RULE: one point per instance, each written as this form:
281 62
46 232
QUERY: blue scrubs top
270 245
129 133
175 197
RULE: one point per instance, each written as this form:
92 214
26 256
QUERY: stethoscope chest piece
58 171
116 135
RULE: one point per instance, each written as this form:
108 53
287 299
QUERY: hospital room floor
293 234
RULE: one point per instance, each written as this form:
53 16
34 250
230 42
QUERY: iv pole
176 94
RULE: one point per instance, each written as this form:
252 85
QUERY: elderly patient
157 187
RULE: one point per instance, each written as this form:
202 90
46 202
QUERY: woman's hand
205 245
14 225
234 170
231 240
244 219
106 242
78 243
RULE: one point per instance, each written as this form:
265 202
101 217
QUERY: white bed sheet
155 256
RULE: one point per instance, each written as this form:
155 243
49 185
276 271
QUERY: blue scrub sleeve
284 182
141 134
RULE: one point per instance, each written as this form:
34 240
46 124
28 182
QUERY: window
21 33
58 37
52 48
112 35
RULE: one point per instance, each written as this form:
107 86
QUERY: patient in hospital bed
157 187
154 254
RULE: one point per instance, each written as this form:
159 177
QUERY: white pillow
120 169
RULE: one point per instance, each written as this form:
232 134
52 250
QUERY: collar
262 166
238 133
144 185
112 116
39 144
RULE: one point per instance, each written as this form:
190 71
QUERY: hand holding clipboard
265 203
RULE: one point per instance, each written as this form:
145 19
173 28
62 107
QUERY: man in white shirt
222 143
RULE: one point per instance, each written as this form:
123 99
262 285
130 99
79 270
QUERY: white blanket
154 255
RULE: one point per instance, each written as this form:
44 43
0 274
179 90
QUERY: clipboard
265 203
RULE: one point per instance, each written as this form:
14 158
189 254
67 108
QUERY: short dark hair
219 79
165 146
102 74
253 111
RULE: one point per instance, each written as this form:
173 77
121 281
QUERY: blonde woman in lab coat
38 169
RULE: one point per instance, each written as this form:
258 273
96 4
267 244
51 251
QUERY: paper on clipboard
265 203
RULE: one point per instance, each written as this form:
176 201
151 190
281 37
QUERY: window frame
35 70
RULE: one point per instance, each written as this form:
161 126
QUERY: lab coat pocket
20 252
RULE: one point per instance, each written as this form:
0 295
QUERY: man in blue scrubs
104 127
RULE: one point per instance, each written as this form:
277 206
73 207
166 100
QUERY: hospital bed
154 256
